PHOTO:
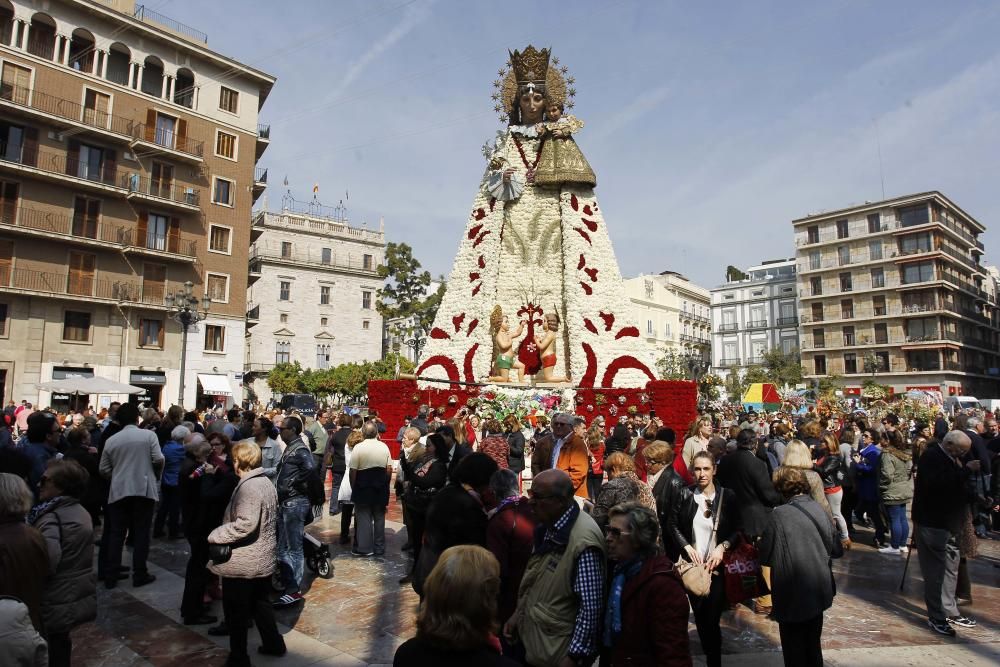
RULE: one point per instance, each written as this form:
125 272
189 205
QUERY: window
90 163
86 213
918 273
151 333
874 223
323 321
17 145
76 326
819 364
842 229
3 319
161 182
914 215
322 356
218 239
649 327
82 267
878 306
366 262
812 234
9 193
666 330
843 255
921 328
788 345
95 108
881 334
166 131
846 284
817 312
215 338
225 145
222 193
326 256
365 325
915 243
284 290
850 363
875 250
154 283
818 338
814 260
882 361
816 286
286 249
282 352
283 318
217 287
848 332
878 278
229 100
16 85
366 300
847 309
324 295
156 231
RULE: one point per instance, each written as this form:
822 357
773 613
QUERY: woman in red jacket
646 617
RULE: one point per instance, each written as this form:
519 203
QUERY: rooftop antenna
878 144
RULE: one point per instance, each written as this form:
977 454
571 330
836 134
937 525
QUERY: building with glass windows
894 291
128 152
753 313
672 314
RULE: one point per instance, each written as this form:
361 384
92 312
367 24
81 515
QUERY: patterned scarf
613 616
41 508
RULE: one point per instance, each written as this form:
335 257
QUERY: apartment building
894 291
753 315
128 155
312 284
672 314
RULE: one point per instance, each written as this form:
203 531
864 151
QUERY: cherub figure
503 340
547 347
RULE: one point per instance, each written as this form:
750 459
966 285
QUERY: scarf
613 615
41 508
506 502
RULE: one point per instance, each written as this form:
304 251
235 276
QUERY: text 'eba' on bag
741 568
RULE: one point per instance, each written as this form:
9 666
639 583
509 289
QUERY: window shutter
150 124
8 202
141 229
93 215
79 215
6 260
29 154
110 164
159 337
174 235
73 158
182 127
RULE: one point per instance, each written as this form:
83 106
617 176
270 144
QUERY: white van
953 404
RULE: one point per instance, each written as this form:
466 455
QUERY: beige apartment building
128 154
894 291
672 313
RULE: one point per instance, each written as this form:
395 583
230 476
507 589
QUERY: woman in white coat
344 497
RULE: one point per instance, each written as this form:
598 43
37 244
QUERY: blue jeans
292 515
899 527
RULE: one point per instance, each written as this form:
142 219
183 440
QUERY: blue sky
710 125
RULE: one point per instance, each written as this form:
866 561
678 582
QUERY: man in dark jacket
420 423
939 505
456 452
334 459
294 509
42 445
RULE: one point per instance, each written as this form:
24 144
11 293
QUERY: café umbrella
89 385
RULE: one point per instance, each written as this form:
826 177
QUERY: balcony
687 315
149 139
728 327
314 258
254 272
693 340
259 182
788 321
161 193
253 314
147 15
84 288
81 231
755 361
29 159
263 139
729 363
65 113
257 368
757 324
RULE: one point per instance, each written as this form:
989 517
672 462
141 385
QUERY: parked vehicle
990 404
953 404
304 403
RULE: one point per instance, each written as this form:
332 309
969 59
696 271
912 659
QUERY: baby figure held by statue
561 160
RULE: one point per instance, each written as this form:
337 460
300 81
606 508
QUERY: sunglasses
616 533
709 513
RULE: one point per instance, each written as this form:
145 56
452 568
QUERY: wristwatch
726 545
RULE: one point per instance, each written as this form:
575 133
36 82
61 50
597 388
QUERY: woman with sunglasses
702 527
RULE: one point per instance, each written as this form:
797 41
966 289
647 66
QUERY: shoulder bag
697 579
221 553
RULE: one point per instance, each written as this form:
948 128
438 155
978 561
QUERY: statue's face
505 324
553 113
532 107
551 323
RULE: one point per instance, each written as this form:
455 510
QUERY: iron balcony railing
161 189
82 285
166 138
264 131
787 321
757 324
147 15
66 109
313 257
726 327
260 175
29 155
729 362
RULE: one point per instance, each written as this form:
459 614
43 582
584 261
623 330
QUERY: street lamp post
183 307
417 344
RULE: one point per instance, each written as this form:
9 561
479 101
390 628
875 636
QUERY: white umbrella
91 385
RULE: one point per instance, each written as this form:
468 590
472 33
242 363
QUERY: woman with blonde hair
697 439
457 623
623 486
829 466
797 456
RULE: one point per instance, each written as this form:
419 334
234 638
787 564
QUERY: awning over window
214 385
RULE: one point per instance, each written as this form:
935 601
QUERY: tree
733 274
672 366
828 385
783 369
755 375
404 295
286 379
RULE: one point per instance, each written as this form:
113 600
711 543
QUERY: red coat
654 619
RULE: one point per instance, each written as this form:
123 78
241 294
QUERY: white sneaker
889 550
904 550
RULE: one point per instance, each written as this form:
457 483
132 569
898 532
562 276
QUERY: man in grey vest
558 615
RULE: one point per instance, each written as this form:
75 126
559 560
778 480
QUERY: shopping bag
741 568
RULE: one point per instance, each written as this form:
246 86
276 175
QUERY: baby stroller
317 556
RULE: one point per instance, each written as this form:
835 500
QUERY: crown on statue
530 65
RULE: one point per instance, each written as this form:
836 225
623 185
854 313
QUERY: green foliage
709 385
403 296
733 274
671 366
829 385
783 369
347 381
735 386
286 379
755 375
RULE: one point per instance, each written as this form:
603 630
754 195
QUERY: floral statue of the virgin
536 243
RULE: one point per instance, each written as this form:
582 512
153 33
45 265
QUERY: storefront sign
146 377
63 372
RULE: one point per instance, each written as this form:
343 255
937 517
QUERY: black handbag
221 553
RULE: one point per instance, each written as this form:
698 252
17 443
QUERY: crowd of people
583 541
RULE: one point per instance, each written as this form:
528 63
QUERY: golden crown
531 65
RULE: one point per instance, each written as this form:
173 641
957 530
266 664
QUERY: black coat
681 528
939 492
746 475
454 517
667 492
335 449
461 451
515 455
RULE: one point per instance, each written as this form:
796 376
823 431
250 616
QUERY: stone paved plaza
360 615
